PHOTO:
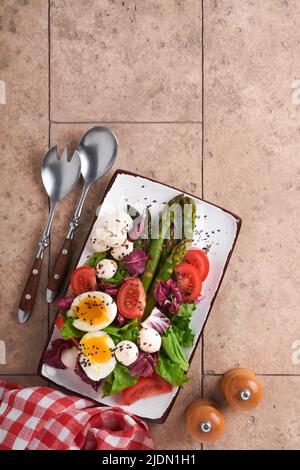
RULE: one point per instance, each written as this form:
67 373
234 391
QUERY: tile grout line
202 180
95 121
49 70
49 141
205 375
220 374
202 167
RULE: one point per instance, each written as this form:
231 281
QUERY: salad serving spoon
97 151
59 176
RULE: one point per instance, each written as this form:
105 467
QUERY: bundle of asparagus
167 251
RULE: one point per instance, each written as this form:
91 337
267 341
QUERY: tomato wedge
131 298
59 322
146 387
189 281
83 279
199 259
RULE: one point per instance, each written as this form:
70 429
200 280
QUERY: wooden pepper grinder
204 420
242 389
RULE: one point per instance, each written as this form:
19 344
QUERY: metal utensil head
97 151
59 175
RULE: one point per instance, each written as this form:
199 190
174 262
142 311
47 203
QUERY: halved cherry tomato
199 259
131 298
83 279
146 387
189 281
59 322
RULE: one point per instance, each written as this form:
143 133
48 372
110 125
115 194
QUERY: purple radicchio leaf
144 365
110 289
64 303
138 226
80 372
135 262
52 357
168 295
157 320
120 320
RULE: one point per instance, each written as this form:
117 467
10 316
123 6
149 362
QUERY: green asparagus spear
165 272
186 223
167 245
147 233
189 217
156 245
177 249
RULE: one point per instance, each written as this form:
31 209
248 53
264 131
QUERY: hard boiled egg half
93 311
96 354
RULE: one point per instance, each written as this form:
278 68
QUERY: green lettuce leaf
118 380
69 331
172 349
170 371
127 332
180 324
121 274
137 244
94 259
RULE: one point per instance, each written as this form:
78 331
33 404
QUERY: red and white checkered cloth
39 418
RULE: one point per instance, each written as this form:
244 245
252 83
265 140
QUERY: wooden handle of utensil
31 286
61 266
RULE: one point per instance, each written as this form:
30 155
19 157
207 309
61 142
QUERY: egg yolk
96 349
91 310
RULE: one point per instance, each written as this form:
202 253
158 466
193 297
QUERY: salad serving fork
59 176
97 152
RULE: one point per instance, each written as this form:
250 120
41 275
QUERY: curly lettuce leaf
173 350
121 274
180 324
127 332
170 371
69 331
94 259
118 380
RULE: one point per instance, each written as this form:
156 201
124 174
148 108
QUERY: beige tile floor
200 95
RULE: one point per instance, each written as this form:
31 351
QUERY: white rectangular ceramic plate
216 231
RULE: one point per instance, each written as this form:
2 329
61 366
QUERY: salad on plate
125 325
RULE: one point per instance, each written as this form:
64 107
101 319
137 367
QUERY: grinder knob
242 389
204 421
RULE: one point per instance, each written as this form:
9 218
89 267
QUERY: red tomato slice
83 279
59 322
189 281
146 387
131 298
199 259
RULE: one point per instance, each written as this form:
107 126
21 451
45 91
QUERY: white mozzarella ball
117 235
123 250
121 218
69 357
106 269
149 340
98 243
126 352
110 231
110 235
